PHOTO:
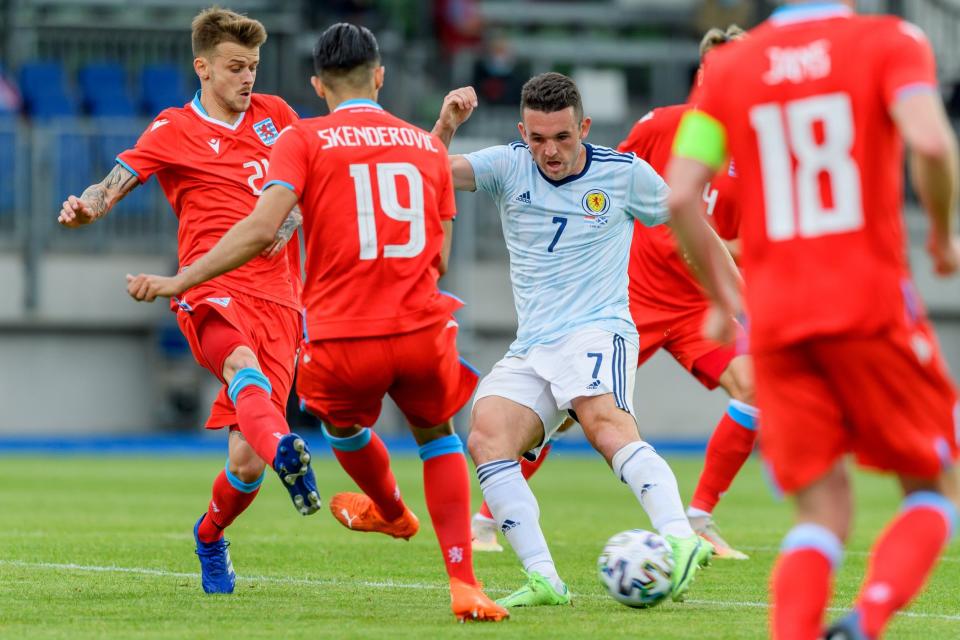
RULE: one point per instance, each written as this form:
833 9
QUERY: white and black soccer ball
636 568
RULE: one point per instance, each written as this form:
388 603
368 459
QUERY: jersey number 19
387 174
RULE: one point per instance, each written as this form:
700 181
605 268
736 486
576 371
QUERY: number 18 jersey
569 240
373 191
805 106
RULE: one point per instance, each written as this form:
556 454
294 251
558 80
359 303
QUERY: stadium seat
110 138
8 160
73 166
104 90
161 86
44 91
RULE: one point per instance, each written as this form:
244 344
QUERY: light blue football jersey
569 240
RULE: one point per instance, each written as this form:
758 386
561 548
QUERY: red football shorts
885 398
681 334
272 331
342 381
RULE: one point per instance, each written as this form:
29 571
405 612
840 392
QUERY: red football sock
527 468
902 560
260 422
369 466
800 587
227 503
729 447
446 484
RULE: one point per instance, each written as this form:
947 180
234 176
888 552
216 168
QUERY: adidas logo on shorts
593 385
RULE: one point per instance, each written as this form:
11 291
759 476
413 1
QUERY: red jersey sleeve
907 63
446 200
157 148
289 161
636 138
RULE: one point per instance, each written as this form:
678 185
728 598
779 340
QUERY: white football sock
652 481
515 509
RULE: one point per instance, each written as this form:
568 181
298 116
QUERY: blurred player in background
567 210
669 309
378 206
845 358
210 157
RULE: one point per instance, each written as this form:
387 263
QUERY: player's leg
233 491
729 447
613 433
259 418
483 525
802 580
903 557
501 430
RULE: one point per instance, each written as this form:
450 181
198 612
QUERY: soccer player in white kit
567 209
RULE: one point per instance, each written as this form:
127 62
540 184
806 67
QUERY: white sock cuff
497 471
626 454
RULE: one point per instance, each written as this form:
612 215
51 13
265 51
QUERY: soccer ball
636 568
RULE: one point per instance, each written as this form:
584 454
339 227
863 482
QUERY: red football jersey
212 174
373 190
805 102
658 275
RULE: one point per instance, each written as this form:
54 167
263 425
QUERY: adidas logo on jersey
523 198
507 525
594 385
214 144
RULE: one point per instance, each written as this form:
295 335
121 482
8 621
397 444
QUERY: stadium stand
44 91
104 90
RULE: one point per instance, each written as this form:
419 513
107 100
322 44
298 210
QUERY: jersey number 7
387 174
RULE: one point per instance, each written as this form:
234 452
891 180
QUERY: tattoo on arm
102 196
290 224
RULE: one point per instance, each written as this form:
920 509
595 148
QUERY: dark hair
550 92
215 25
346 52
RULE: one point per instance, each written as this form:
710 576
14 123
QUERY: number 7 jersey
804 104
373 191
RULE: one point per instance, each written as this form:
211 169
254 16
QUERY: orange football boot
470 604
358 512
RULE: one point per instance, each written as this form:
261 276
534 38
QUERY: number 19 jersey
569 240
373 191
805 105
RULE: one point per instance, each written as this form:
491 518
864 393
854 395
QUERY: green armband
701 137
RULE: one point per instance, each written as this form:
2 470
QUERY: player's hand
457 107
147 288
74 213
720 325
945 254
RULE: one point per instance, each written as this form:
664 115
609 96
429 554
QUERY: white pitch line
855 554
394 585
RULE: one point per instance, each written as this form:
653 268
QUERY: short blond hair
215 25
716 37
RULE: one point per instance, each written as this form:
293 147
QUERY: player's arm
456 109
97 199
447 226
699 151
923 123
284 233
243 242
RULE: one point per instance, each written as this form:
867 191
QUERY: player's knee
486 443
738 380
240 358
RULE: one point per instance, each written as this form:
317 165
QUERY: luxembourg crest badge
266 131
596 204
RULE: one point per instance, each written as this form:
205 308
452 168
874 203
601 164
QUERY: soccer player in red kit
378 206
210 157
845 359
669 308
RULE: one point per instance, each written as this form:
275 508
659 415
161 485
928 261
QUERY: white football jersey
569 240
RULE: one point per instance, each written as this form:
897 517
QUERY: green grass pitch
102 548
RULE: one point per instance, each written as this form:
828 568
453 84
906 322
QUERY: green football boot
689 554
538 592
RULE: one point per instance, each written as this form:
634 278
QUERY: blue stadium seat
104 90
44 90
8 160
73 164
161 86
